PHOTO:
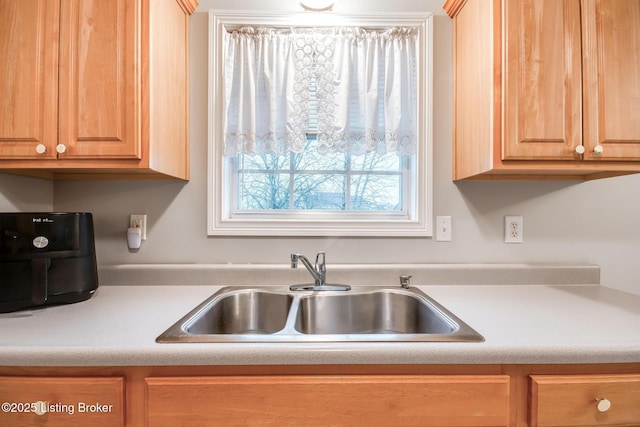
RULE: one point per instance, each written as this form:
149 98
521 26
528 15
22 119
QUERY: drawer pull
603 404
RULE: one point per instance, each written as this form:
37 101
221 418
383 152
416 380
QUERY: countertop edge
72 357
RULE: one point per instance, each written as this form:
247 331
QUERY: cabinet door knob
580 149
61 148
41 148
604 405
598 149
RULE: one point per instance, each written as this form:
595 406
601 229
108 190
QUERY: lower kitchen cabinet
346 400
62 401
585 400
325 395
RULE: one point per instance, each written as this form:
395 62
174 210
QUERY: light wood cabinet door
71 79
28 78
611 64
543 91
99 79
62 401
95 88
573 400
344 400
572 80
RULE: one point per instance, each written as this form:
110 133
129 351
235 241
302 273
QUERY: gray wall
594 222
25 194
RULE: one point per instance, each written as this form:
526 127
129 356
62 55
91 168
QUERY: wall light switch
443 228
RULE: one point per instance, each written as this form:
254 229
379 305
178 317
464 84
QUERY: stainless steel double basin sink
278 314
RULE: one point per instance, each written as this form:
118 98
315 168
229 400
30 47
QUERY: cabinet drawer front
62 401
572 400
349 400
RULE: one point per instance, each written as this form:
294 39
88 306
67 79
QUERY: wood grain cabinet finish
335 395
546 88
573 400
346 400
94 87
29 44
62 401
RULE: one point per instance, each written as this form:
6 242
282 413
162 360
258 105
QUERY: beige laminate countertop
521 324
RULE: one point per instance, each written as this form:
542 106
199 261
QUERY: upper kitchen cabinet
95 88
546 89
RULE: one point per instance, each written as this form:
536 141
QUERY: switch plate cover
443 228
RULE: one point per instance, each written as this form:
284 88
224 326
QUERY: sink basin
243 312
277 314
378 312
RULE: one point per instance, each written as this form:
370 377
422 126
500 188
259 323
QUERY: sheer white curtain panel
362 83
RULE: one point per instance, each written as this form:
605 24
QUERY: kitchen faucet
319 273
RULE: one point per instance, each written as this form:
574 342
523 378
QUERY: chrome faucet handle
321 266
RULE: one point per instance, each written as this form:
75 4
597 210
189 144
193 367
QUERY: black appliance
46 259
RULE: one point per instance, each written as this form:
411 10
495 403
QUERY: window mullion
348 183
292 167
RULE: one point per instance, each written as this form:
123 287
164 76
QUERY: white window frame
221 222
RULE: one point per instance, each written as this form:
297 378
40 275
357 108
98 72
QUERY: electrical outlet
443 229
139 221
513 229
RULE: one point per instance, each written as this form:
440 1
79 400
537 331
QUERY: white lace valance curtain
357 87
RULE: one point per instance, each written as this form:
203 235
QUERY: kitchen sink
278 314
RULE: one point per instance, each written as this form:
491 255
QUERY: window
294 152
307 182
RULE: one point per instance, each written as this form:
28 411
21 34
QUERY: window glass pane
263 162
374 181
374 192
376 162
265 191
312 160
319 191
